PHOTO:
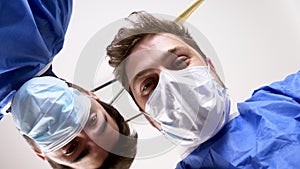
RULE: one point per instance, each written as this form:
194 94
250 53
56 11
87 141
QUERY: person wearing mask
69 127
179 91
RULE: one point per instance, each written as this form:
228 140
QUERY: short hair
141 25
113 161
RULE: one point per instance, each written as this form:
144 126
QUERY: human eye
179 62
93 119
72 148
148 86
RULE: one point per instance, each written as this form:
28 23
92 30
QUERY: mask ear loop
40 155
152 121
34 147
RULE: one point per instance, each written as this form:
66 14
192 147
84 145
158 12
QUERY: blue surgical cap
49 112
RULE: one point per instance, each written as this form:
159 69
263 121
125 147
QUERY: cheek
111 135
57 158
108 139
196 61
96 158
98 153
140 101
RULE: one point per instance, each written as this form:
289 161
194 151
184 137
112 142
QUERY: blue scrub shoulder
265 135
32 33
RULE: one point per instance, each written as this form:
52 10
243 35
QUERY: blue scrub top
32 33
266 134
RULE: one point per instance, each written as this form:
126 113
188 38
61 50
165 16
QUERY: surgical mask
49 112
189 104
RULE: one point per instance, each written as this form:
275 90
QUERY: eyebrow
168 53
165 56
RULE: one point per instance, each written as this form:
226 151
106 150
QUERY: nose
95 141
83 135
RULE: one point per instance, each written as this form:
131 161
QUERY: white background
257 42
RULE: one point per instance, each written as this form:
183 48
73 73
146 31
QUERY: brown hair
141 25
124 146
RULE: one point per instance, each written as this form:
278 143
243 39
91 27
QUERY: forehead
157 41
149 51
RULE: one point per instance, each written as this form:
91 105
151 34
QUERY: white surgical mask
189 104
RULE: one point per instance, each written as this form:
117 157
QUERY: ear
40 155
210 63
94 96
34 146
212 67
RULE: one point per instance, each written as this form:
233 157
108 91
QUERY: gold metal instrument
188 11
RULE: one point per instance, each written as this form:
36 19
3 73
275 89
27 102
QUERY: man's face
153 54
85 151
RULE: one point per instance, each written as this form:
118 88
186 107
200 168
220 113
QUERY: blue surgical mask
190 105
48 111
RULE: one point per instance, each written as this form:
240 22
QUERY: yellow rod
188 11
